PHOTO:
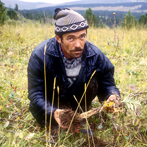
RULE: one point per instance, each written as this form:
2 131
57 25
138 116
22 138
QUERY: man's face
72 44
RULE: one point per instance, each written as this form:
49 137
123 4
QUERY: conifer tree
12 14
90 17
3 15
143 19
16 7
129 20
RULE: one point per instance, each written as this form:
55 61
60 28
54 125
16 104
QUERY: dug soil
67 117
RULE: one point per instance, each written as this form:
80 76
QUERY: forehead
76 34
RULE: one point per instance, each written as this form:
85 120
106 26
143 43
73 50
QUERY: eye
83 37
70 39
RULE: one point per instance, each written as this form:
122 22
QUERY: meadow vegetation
127 51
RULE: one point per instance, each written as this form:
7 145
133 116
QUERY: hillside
105 10
25 5
125 7
126 128
102 11
134 7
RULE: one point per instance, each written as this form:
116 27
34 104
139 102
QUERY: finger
111 99
62 126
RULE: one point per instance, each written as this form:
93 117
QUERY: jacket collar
53 48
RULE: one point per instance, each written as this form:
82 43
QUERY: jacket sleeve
106 83
36 89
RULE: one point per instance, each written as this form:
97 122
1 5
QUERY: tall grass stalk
86 114
78 106
46 101
54 87
58 108
88 126
85 117
45 96
114 27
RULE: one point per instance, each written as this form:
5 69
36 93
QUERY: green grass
128 54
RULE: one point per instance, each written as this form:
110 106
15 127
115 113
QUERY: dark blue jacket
92 59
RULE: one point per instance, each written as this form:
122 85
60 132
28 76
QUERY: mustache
76 49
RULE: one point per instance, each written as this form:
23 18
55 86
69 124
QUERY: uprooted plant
110 110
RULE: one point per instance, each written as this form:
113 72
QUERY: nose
77 43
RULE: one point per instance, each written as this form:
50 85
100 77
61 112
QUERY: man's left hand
115 99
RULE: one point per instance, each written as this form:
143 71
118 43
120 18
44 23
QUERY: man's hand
57 118
61 114
116 99
111 98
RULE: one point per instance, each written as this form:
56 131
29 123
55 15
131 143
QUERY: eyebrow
70 36
74 35
83 34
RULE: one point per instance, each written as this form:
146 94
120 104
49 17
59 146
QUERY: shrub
12 14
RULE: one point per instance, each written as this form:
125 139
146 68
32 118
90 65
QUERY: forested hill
137 6
106 10
103 12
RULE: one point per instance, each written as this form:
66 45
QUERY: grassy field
127 51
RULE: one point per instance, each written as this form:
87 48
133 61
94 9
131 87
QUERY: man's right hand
57 113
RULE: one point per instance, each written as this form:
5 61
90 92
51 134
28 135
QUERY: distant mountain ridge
98 1
35 5
137 7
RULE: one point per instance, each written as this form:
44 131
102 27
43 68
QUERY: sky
50 1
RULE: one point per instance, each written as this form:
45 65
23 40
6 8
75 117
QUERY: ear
58 38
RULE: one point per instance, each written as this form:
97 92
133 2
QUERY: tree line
94 18
128 20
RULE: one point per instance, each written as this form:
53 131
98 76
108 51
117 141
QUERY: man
72 60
